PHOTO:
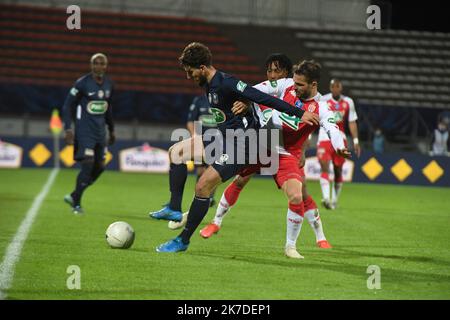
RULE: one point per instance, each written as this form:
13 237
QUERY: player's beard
202 80
306 95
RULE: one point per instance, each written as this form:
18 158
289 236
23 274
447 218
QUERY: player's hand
344 153
68 137
240 107
112 138
310 118
357 149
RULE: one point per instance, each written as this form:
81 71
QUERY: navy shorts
229 155
84 148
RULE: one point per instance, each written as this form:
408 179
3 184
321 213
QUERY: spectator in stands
378 141
440 143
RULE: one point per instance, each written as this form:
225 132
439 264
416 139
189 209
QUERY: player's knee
240 182
295 198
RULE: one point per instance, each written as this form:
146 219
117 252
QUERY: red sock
297 208
324 175
309 204
232 193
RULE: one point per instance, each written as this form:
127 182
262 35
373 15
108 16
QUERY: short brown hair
310 69
195 54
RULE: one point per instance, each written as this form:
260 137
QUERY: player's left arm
353 126
247 92
328 122
109 120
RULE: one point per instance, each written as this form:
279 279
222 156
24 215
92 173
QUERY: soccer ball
120 235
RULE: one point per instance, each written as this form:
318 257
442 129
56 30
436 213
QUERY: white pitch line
14 250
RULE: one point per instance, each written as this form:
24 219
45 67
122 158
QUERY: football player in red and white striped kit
344 110
300 91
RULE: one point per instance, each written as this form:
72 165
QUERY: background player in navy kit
89 105
223 90
200 111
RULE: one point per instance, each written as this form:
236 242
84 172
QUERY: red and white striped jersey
344 111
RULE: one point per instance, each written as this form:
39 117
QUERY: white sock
222 208
333 195
294 225
338 189
325 186
313 218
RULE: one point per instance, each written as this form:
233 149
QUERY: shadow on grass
389 275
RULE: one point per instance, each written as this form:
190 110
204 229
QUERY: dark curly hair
195 54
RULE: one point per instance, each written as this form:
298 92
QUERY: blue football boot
167 214
174 245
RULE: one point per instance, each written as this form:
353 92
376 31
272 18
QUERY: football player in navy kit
88 104
222 90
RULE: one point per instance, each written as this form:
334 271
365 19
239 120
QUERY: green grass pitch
402 230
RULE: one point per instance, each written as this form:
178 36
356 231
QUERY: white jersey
344 111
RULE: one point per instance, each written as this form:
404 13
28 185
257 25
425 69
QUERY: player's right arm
72 100
193 115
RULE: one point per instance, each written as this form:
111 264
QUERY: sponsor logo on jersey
267 114
241 86
219 115
97 107
338 116
207 120
298 104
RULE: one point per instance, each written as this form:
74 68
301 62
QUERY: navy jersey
224 90
90 104
200 111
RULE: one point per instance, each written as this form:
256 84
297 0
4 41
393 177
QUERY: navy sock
83 181
97 170
199 209
177 179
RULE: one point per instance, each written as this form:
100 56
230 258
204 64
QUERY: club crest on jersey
241 86
273 83
107 94
312 107
100 94
213 98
